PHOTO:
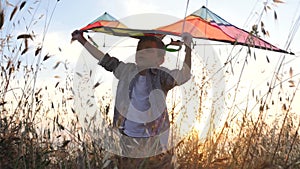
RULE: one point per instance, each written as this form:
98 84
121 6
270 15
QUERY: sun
197 126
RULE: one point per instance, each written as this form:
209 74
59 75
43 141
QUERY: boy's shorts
140 147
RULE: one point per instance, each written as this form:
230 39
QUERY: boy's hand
187 38
77 35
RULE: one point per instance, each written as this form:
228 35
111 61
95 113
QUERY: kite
110 25
201 24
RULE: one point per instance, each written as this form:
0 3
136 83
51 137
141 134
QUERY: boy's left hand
187 38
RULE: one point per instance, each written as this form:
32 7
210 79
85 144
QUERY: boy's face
147 55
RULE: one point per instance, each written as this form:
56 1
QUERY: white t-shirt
139 109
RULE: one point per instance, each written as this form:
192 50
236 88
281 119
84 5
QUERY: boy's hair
159 44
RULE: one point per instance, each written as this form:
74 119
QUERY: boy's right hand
77 35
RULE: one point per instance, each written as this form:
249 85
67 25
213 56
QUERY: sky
71 15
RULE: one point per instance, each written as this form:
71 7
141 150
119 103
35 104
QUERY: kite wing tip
287 52
291 53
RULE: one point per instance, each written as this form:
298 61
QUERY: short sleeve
172 78
119 68
109 63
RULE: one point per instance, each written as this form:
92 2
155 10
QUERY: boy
140 107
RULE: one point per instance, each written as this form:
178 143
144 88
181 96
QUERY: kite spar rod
178 43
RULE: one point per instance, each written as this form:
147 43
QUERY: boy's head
150 52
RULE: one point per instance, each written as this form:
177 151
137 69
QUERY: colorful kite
203 24
110 25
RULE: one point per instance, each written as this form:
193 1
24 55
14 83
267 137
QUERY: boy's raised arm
179 77
187 38
95 52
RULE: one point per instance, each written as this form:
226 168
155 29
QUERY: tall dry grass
34 132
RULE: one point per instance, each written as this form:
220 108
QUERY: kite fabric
202 24
104 20
110 25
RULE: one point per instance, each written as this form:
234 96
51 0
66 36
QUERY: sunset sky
71 15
